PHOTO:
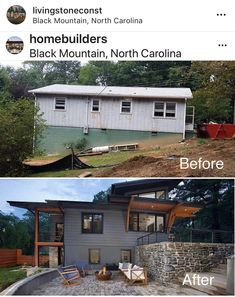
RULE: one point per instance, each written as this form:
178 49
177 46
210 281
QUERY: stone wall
166 261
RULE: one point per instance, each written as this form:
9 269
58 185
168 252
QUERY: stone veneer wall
166 261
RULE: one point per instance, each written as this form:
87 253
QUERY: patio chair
70 275
136 274
124 266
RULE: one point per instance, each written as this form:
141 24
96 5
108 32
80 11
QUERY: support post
128 213
36 237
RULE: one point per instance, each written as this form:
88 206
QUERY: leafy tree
214 97
56 72
21 126
102 196
13 232
217 199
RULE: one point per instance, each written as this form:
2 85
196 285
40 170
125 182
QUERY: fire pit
103 274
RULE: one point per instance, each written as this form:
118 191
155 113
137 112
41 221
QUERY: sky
51 189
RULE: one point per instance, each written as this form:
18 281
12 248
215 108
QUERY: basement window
94 256
126 106
60 103
95 105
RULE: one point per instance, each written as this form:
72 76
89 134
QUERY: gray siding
78 114
110 243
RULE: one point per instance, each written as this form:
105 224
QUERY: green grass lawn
10 275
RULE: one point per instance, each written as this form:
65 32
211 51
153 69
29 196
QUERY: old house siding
110 243
78 114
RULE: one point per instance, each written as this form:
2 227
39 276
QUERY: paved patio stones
117 286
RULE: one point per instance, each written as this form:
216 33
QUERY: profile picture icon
14 45
16 14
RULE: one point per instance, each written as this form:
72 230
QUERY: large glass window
146 222
94 256
133 221
159 223
92 223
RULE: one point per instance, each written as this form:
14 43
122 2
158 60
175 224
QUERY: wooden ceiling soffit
180 211
152 205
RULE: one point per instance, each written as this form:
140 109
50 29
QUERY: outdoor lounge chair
136 274
70 275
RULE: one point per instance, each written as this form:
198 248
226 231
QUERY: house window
59 103
146 222
95 106
159 109
94 256
161 194
125 256
170 110
164 110
126 106
92 223
159 223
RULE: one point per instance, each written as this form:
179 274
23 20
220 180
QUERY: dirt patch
167 163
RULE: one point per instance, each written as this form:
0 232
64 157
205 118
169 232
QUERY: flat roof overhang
129 188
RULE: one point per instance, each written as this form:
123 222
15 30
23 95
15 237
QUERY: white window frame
175 110
65 103
164 111
92 101
126 100
159 117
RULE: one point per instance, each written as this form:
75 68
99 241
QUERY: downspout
185 106
34 124
86 127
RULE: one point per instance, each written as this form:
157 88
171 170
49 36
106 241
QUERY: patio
116 286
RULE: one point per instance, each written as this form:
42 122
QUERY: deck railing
188 235
51 237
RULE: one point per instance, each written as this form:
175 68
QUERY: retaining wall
166 261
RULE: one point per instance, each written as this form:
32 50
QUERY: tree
18 233
13 232
217 199
21 126
215 94
102 196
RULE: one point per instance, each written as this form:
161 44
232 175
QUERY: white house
121 108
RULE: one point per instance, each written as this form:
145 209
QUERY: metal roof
109 91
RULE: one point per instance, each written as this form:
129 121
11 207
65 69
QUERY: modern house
108 232
116 108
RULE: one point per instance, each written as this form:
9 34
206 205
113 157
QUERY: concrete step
218 286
